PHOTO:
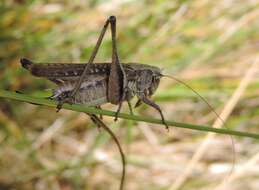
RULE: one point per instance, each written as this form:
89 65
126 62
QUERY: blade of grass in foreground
91 110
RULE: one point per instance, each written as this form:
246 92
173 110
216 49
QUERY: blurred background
208 44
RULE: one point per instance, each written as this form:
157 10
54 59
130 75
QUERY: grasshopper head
147 79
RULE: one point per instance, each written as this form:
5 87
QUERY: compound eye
155 77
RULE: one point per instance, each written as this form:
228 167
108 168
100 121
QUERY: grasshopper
96 84
94 87
142 81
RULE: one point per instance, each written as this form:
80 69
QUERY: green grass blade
91 110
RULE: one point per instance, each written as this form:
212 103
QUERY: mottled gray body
143 80
90 93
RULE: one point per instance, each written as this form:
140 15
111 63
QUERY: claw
166 126
118 111
59 106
